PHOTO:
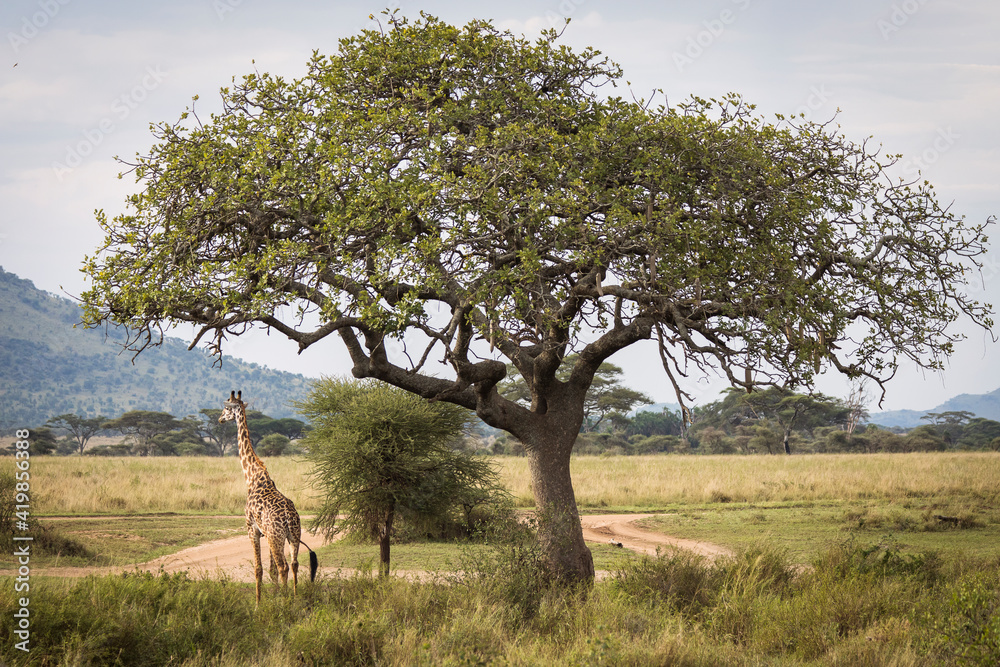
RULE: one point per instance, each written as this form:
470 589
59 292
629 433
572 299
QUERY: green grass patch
130 539
804 529
816 579
434 556
424 556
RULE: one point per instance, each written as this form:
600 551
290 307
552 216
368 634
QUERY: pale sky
80 82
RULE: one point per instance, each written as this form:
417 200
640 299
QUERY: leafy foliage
43 441
222 436
510 570
274 444
152 432
763 421
468 166
381 452
82 429
970 629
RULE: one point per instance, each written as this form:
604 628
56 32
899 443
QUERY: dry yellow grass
651 481
93 485
74 485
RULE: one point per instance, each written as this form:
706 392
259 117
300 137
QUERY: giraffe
268 512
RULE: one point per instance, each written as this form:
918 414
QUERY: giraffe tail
313 561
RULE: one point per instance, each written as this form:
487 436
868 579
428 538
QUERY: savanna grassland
839 560
86 485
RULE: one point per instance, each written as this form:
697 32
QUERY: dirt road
621 529
233 558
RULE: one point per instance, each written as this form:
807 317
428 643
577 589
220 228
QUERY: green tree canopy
980 433
42 441
953 417
382 453
770 417
793 411
950 424
648 423
147 430
221 436
273 444
495 198
289 427
81 428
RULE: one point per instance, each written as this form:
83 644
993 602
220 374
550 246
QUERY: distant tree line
774 421
149 433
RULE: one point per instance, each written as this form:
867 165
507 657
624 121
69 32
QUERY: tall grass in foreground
85 485
855 606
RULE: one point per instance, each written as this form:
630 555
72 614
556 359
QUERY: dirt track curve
621 529
233 558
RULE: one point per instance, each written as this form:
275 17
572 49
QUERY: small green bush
510 571
970 628
880 559
330 638
681 579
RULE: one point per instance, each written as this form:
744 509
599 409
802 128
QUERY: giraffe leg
294 534
274 571
295 565
258 569
277 545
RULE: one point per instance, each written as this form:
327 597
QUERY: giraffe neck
249 460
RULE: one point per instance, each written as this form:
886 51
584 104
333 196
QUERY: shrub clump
681 579
880 559
507 569
969 630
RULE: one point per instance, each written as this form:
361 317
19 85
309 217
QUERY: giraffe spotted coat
269 513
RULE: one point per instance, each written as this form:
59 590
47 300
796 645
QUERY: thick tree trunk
560 533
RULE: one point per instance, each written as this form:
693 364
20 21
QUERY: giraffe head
231 406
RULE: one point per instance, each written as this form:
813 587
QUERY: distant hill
48 368
982 405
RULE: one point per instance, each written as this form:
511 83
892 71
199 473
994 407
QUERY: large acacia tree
494 195
81 428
